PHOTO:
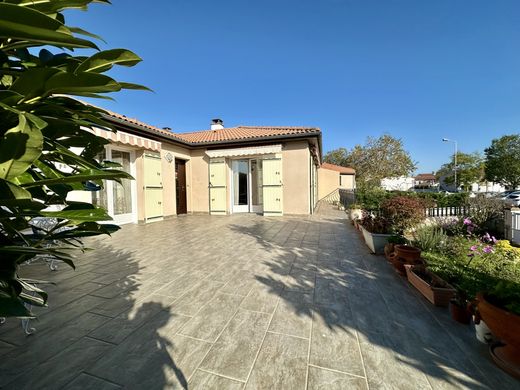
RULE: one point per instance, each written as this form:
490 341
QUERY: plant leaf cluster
47 146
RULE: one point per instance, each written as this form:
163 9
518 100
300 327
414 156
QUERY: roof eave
173 138
257 139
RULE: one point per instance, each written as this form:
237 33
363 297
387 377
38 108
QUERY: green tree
39 123
379 158
470 169
337 157
503 161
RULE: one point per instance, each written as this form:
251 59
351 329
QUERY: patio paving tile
234 352
334 343
196 297
261 298
37 350
293 316
153 355
117 329
240 301
84 381
320 379
212 318
202 380
281 364
240 284
57 371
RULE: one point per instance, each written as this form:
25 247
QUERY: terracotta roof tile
139 123
221 135
339 168
243 133
425 176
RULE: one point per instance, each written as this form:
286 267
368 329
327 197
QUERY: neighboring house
487 186
402 183
331 177
426 180
268 170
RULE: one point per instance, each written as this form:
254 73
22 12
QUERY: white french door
246 184
119 199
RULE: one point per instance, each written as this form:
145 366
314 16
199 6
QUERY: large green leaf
26 24
80 215
32 82
19 148
84 82
86 175
12 306
134 86
105 60
11 194
53 6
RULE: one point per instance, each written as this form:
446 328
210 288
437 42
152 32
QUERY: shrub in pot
376 231
403 212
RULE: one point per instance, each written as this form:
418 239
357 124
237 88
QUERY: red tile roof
244 133
425 176
222 135
139 123
339 168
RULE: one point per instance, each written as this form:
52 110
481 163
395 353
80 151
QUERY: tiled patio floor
236 302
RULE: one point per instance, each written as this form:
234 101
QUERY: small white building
402 183
487 186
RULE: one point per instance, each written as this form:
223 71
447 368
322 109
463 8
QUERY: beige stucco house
267 170
332 177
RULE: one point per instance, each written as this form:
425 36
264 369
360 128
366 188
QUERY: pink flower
473 248
467 221
487 249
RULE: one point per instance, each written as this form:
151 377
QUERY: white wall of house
402 183
487 186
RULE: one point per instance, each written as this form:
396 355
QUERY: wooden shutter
217 186
272 187
153 188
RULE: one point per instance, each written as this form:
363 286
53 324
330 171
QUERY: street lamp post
455 167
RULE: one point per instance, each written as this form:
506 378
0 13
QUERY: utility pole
456 152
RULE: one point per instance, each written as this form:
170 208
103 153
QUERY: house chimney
217 124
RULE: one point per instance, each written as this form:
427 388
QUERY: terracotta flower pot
506 327
398 264
409 253
459 313
434 289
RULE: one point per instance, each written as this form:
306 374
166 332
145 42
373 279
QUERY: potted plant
355 211
460 309
392 241
431 286
404 213
500 309
410 254
376 231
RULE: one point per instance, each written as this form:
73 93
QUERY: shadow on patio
361 317
81 339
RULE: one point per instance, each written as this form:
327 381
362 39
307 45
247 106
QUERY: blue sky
420 70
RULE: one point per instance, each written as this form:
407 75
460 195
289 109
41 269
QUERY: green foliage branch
39 124
503 161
